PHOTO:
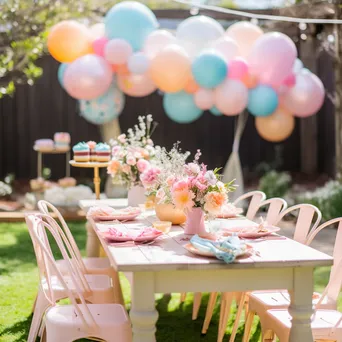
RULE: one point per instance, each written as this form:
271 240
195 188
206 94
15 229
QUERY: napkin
226 250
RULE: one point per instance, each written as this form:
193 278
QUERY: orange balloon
69 40
250 81
276 127
170 69
191 87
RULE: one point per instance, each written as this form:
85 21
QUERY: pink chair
261 302
95 288
86 265
67 323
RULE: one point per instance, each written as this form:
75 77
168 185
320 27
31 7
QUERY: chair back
256 198
306 215
275 206
47 208
48 267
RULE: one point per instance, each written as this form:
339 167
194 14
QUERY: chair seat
94 265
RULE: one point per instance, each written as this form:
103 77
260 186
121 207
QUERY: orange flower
214 201
113 167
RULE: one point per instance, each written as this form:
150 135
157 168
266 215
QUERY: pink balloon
227 47
157 41
231 97
237 68
88 77
272 58
99 46
204 98
117 51
306 97
290 80
136 85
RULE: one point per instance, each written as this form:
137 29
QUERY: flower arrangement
132 153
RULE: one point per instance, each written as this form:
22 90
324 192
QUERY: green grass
19 280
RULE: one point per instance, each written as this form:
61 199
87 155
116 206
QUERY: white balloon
138 63
157 41
297 66
197 33
97 30
227 47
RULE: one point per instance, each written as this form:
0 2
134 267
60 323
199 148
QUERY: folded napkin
146 232
226 250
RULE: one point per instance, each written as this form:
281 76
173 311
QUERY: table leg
40 165
301 305
67 166
93 243
97 181
143 313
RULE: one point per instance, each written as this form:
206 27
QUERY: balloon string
240 126
260 16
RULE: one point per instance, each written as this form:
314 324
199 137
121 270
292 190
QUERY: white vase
136 196
115 190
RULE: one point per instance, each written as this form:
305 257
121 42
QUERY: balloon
117 51
204 98
60 74
104 108
276 127
130 21
231 97
262 100
209 69
180 107
157 41
120 69
297 66
215 111
197 33
138 63
250 81
290 80
170 70
238 68
69 40
306 97
227 47
244 34
272 58
88 77
191 87
99 46
136 85
97 31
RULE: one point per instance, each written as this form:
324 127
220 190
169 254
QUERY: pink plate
131 236
189 247
249 232
127 217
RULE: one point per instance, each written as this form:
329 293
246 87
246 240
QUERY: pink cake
44 144
62 140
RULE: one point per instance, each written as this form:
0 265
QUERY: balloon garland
201 67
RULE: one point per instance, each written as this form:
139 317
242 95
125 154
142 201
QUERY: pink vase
195 222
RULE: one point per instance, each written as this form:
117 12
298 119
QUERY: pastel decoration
170 70
191 87
306 97
120 69
231 97
130 21
97 31
245 34
227 47
157 41
136 85
88 77
204 98
297 66
209 69
69 40
276 127
197 33
99 46
250 81
262 100
180 107
215 111
238 68
138 63
117 51
60 74
104 108
290 81
272 57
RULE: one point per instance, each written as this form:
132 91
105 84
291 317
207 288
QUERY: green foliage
275 184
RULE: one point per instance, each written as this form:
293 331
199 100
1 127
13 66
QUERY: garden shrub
275 184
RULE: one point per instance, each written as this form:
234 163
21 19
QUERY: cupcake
62 140
102 152
67 182
44 144
92 145
81 152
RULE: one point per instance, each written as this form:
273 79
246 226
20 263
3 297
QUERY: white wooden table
93 243
166 267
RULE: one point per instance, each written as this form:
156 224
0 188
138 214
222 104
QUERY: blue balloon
209 69
262 100
215 111
131 21
60 74
105 108
181 107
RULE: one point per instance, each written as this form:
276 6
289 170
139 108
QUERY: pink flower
214 201
170 180
113 167
192 169
142 165
126 169
201 185
122 138
115 150
183 199
131 160
150 176
180 186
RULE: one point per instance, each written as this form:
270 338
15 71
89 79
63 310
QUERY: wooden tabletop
169 253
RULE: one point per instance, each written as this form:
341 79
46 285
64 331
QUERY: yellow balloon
276 127
69 40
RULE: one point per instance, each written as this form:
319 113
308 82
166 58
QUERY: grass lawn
18 287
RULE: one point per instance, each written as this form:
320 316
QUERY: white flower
210 177
122 138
